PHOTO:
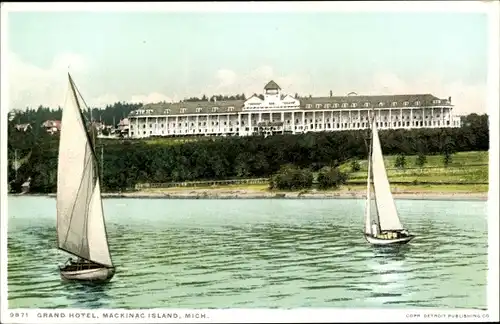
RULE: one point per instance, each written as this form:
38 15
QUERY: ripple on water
256 253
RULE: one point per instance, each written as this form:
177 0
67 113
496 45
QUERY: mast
102 162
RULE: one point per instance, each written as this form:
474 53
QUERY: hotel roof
306 103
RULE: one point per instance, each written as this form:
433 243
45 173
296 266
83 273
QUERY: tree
355 166
421 160
290 177
331 178
446 158
400 162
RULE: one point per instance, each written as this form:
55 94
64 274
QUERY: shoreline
255 194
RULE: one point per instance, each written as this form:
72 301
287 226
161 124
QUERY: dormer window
367 104
380 104
335 105
327 105
167 111
344 105
394 103
308 106
318 106
405 103
230 108
436 101
214 109
199 109
183 110
353 105
417 103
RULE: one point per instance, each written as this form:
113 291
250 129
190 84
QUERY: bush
421 160
400 162
355 166
290 177
446 159
331 178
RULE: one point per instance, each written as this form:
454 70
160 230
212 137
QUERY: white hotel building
278 114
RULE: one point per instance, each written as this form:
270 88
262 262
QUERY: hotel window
417 103
183 110
230 108
199 109
405 103
436 101
394 103
167 111
335 105
353 105
367 104
381 104
308 106
327 105
344 105
214 109
318 105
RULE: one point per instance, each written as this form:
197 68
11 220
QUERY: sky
155 56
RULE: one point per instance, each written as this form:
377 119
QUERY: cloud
229 82
467 98
150 98
32 86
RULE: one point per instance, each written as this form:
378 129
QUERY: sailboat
81 229
382 223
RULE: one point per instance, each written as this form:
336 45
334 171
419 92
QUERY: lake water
255 253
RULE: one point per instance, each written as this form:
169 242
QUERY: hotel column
176 124
156 127
293 122
283 120
442 117
401 116
239 124
218 123
323 121
137 131
341 122
411 117
432 116
250 126
423 117
359 117
314 120
379 118
228 121
350 119
198 127
303 120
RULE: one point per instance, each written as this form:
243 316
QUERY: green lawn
466 167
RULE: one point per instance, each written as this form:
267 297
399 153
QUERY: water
255 253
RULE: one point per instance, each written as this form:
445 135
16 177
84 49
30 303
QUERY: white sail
368 219
387 213
80 222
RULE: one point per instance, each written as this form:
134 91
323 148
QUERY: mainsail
80 221
388 215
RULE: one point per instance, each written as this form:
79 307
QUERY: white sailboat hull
379 241
96 275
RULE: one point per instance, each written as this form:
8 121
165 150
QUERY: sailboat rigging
81 229
382 223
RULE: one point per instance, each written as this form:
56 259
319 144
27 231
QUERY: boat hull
95 275
396 241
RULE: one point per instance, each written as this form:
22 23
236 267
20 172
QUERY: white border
263 315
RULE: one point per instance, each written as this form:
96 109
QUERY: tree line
128 162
